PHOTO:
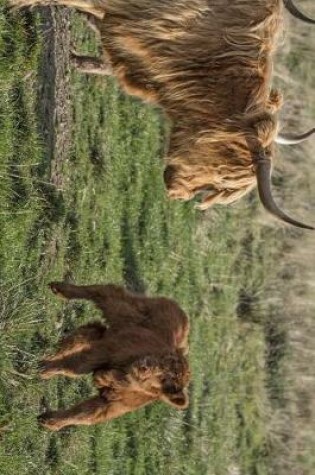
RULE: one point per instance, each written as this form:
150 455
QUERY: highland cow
208 65
138 358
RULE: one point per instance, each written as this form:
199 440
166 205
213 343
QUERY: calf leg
78 353
95 411
93 7
71 291
91 411
119 306
84 361
79 340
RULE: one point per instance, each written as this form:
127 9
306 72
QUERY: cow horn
290 6
263 173
292 139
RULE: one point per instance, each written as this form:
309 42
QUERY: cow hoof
74 58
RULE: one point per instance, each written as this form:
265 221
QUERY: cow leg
95 8
93 23
91 64
91 411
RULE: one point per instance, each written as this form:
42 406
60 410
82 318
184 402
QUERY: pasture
82 198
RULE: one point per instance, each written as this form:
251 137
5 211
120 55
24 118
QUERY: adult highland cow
208 64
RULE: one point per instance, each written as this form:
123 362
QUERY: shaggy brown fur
138 359
208 64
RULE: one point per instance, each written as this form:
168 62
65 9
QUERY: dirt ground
54 89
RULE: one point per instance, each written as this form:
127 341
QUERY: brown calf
138 359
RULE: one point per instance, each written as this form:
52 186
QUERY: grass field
107 220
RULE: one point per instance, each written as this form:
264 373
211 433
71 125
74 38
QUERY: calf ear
179 400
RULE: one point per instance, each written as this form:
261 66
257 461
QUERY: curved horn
290 6
292 139
263 173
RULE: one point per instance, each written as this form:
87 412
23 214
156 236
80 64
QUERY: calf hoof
44 371
56 288
47 421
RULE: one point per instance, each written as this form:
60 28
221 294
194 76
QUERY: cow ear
179 400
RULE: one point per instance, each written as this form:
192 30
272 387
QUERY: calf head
162 378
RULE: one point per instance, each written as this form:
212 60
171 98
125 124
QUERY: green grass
110 221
